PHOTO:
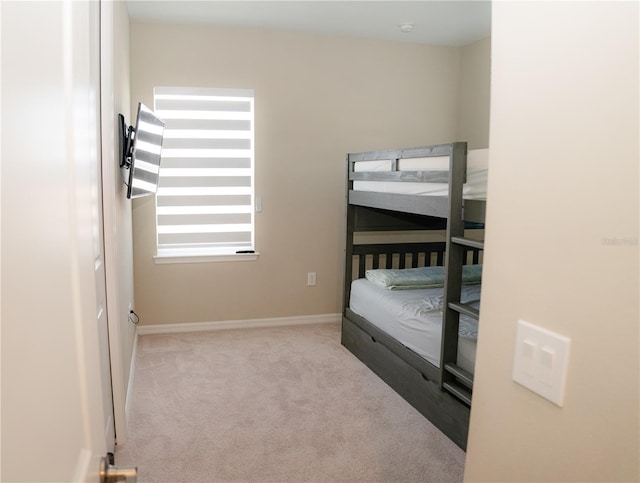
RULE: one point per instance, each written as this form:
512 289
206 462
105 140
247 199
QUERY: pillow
424 277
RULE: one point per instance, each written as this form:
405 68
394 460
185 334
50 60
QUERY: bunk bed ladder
454 379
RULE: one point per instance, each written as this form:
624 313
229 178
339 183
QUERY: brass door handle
112 474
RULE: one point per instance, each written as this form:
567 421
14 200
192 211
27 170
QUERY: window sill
167 258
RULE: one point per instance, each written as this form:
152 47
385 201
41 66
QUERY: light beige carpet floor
274 405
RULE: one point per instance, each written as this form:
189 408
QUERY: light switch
546 366
541 361
528 356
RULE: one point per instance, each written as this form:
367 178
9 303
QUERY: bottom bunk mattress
414 318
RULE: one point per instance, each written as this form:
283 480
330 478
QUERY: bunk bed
393 193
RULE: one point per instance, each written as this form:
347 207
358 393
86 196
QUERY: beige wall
124 225
317 98
122 231
118 247
561 243
474 98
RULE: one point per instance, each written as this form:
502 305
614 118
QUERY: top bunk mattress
474 189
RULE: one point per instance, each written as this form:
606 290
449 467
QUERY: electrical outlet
311 279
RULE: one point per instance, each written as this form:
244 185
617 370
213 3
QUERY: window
204 204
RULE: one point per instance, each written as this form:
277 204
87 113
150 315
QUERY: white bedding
474 189
414 318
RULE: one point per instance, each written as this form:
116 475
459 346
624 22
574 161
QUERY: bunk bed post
453 264
350 224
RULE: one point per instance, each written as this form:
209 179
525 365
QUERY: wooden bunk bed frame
442 394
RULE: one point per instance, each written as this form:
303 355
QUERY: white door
102 317
54 419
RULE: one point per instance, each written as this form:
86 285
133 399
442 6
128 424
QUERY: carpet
283 404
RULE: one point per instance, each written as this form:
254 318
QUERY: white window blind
204 203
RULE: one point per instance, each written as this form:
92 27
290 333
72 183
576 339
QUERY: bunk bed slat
389 261
420 205
458 391
419 152
429 151
375 155
465 309
468 242
413 176
462 376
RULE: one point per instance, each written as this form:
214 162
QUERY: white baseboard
239 324
83 470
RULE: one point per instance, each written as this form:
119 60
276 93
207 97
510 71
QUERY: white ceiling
445 22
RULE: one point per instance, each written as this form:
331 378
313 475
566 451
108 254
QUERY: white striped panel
206 153
205 172
201 114
223 190
216 228
203 210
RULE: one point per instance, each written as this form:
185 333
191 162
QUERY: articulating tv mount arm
127 134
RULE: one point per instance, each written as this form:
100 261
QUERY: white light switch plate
541 361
